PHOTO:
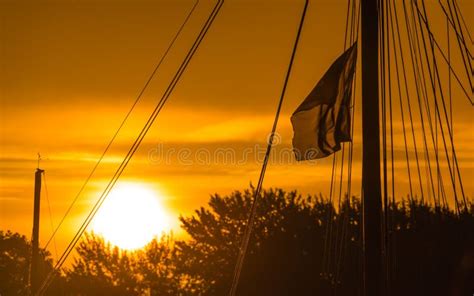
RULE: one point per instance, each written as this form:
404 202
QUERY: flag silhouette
322 121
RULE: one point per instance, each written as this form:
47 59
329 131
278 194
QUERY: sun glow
131 216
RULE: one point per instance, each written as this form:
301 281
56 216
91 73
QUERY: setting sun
131 216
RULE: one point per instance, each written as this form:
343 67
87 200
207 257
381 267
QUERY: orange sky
71 69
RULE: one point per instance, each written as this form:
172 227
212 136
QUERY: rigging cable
438 80
463 21
461 40
137 99
349 167
450 91
383 93
327 251
328 237
435 81
402 116
430 33
402 60
253 210
453 25
135 145
50 212
340 237
419 75
426 98
344 210
419 93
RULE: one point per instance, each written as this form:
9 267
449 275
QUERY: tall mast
35 256
371 186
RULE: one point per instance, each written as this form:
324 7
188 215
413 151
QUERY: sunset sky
70 71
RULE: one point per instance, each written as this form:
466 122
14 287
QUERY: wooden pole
371 186
35 256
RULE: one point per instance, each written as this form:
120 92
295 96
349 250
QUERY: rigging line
328 235
425 89
325 263
426 97
327 252
451 22
402 117
359 238
332 225
417 68
395 14
347 199
446 60
453 174
98 204
135 145
391 269
433 83
345 209
339 238
390 116
150 78
382 83
463 21
438 80
155 112
336 258
382 110
390 108
462 35
415 65
437 146
443 190
358 21
347 23
340 230
427 104
382 54
50 213
352 22
349 166
450 91
349 174
329 219
461 40
251 219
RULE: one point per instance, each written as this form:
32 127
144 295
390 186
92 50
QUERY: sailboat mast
35 256
371 186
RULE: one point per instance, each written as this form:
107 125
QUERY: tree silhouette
15 257
304 246
100 268
285 251
156 265
299 246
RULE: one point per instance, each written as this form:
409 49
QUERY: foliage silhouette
100 268
304 246
299 246
15 257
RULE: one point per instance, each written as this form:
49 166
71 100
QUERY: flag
322 121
